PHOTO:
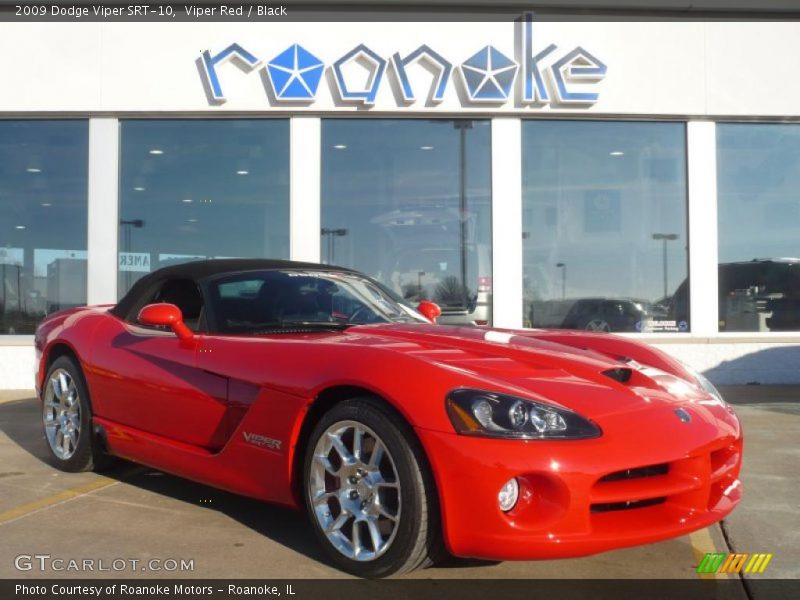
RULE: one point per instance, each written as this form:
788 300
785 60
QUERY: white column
507 222
305 135
103 210
703 250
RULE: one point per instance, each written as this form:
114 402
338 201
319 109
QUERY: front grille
612 506
658 493
637 487
723 460
724 469
637 473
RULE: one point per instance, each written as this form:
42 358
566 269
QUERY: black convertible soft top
201 269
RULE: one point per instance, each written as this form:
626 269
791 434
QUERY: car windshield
277 300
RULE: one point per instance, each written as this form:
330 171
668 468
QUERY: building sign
134 261
487 77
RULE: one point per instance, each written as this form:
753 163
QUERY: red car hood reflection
531 364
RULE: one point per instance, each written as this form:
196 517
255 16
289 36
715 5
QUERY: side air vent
621 374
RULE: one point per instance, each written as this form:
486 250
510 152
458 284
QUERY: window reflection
758 175
604 226
195 189
274 301
409 202
43 216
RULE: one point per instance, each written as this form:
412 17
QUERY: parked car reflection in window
604 225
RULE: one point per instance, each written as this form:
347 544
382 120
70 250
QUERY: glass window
605 226
409 203
43 217
758 178
292 301
193 189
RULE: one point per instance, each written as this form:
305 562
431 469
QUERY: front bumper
587 496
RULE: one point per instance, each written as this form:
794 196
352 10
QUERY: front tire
369 492
67 419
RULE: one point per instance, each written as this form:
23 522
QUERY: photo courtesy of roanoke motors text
451 299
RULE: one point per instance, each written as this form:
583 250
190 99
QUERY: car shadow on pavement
286 526
20 422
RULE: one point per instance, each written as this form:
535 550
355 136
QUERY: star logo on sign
295 74
489 75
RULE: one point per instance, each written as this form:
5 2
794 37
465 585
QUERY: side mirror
429 310
165 315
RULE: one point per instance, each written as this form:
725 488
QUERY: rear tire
67 419
369 493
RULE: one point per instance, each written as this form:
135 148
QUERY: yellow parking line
702 544
28 508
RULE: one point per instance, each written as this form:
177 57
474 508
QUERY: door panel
148 379
258 395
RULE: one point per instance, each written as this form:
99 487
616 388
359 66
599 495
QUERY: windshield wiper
284 325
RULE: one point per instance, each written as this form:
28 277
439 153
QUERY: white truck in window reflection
762 294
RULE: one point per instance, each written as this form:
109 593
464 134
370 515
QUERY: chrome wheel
354 490
61 412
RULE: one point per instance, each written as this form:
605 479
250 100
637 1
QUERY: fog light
507 498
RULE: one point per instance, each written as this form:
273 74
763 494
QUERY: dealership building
638 177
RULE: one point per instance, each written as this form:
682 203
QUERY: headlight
707 386
489 414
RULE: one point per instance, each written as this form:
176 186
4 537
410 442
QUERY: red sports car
314 386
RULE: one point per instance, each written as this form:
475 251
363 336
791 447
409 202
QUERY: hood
593 383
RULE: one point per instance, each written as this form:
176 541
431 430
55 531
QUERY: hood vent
621 374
